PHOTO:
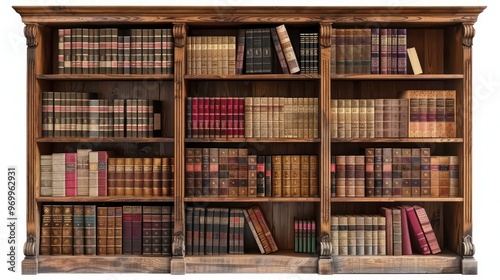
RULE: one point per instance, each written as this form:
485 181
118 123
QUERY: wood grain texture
397 77
441 263
103 77
103 199
275 263
105 140
103 264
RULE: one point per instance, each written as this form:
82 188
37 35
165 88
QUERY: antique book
46 230
90 229
288 51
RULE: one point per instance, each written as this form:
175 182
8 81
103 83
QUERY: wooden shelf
347 77
254 77
105 77
104 140
252 199
397 199
103 199
397 140
440 263
251 140
278 262
104 264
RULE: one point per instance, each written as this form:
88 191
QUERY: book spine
56 234
147 185
387 213
343 235
102 230
351 235
156 230
127 230
396 232
46 230
252 176
429 234
224 184
375 51
340 176
288 51
359 176
360 235
118 230
418 241
425 172
401 47
137 229
370 172
46 175
333 176
276 177
397 173
454 176
67 230
415 172
90 229
166 230
444 176
71 183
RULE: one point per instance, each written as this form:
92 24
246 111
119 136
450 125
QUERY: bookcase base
104 264
447 263
29 266
178 266
325 266
469 266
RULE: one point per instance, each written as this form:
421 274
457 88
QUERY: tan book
286 174
348 118
313 176
45 175
360 235
102 230
129 177
277 181
304 183
242 172
295 179
370 118
120 177
454 169
359 176
118 230
350 177
288 51
138 176
343 236
333 118
56 230
249 117
263 117
414 61
82 169
147 185
93 173
252 176
67 230
334 234
156 184
256 117
435 176
355 118
362 119
351 235
444 176
46 230
341 118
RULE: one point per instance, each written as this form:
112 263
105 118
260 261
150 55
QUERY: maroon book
417 237
136 230
405 233
229 118
194 117
71 180
429 234
241 117
127 230
102 171
223 117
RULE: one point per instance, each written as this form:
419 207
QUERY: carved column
30 263
178 266
325 261
469 264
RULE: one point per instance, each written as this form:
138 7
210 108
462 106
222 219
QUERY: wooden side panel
124 264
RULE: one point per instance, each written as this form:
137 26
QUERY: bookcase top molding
57 15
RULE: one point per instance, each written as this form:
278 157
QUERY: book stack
431 113
394 172
254 51
251 117
402 230
358 235
369 51
304 236
309 53
215 117
214 231
140 176
115 51
147 230
93 173
231 172
369 118
211 55
68 230
79 114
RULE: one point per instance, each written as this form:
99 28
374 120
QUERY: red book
405 232
241 117
194 117
265 228
223 117
430 236
205 116
211 117
419 243
229 118
136 230
217 116
71 180
102 171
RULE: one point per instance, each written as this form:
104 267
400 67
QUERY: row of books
115 51
140 176
402 230
369 51
80 114
100 230
254 51
220 231
211 55
394 172
94 173
304 235
431 113
232 172
251 117
368 118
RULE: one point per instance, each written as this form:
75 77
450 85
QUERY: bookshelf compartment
442 37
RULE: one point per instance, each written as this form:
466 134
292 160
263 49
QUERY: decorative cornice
326 31
179 34
31 32
468 34
468 247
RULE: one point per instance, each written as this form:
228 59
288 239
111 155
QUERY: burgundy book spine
195 116
71 178
136 230
419 243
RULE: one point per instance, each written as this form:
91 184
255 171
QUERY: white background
486 153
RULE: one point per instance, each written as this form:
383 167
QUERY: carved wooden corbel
326 31
179 33
178 247
468 34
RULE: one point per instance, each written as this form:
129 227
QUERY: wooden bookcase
443 37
